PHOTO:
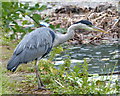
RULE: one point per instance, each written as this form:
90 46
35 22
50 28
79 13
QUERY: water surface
101 59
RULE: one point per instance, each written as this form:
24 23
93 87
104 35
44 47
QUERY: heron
38 43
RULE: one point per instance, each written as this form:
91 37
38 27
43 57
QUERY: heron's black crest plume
84 22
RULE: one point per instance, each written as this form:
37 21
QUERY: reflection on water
101 59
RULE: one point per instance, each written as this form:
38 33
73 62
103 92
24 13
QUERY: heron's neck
61 38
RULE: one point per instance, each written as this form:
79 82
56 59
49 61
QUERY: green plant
55 50
7 85
67 80
14 12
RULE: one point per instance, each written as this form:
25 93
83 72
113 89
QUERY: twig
114 24
59 83
34 20
101 21
98 36
99 17
88 15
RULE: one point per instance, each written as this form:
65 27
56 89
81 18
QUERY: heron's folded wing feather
34 45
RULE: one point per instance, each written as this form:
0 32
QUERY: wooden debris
103 16
72 9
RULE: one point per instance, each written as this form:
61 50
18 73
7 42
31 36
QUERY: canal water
101 59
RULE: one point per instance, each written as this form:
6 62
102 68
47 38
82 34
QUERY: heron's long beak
98 29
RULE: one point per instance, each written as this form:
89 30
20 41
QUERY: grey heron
39 42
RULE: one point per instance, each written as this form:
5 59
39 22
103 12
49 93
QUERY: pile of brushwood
103 16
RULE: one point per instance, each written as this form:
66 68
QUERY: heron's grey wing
34 45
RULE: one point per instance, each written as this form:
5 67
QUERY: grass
8 86
0 81
65 80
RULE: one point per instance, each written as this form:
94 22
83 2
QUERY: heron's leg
41 86
40 83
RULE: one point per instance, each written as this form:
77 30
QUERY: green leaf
43 7
58 50
21 5
58 26
37 5
32 8
24 22
52 26
21 10
12 36
26 6
15 5
14 22
37 17
46 19
14 29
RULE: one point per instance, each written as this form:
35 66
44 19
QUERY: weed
7 84
64 80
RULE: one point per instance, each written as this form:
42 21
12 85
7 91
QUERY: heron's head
87 25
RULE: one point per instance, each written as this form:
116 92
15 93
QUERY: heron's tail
13 63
